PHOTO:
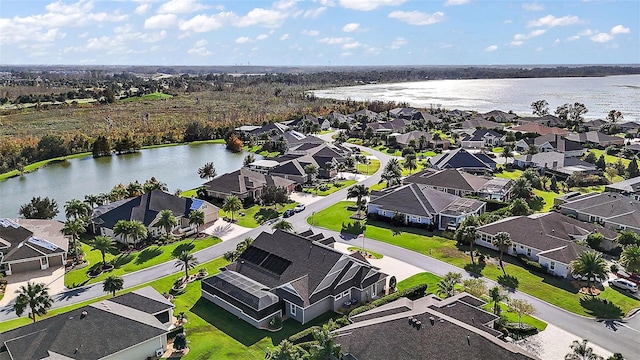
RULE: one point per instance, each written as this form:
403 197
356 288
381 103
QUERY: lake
599 94
177 166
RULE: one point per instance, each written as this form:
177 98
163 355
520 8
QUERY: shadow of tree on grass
148 254
265 214
183 247
122 260
601 308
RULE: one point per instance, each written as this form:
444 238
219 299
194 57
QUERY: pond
177 166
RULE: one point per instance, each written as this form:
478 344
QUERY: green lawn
189 193
497 150
384 149
551 289
374 165
509 174
331 187
126 263
609 159
428 278
257 149
513 317
325 132
426 154
212 332
548 197
152 96
39 164
254 216
378 186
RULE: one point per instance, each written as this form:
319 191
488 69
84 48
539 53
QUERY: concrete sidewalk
388 265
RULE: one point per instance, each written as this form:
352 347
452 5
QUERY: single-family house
481 138
456 328
548 238
629 187
551 142
555 163
420 138
245 184
31 245
461 183
146 209
612 210
499 116
291 138
478 163
289 275
535 128
595 139
309 123
594 125
546 120
367 116
478 123
630 127
133 326
423 205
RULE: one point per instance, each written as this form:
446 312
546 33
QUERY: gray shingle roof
613 207
30 238
462 159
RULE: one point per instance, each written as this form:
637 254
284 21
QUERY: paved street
614 336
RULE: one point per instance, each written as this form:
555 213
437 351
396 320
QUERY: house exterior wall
300 179
210 212
515 249
141 351
408 218
574 153
23 266
318 309
298 315
472 144
559 269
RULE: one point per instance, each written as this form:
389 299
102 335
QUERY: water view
176 166
599 94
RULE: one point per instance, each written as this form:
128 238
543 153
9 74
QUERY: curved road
615 336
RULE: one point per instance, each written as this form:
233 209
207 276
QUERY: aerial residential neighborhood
312 222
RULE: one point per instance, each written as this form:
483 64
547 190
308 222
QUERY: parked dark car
288 213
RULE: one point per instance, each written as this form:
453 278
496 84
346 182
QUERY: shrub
275 322
414 292
517 330
530 264
397 219
304 335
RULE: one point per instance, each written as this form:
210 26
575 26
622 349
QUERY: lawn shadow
70 294
475 270
182 248
122 260
601 308
244 333
148 254
509 281
265 214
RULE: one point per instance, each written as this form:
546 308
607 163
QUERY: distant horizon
318 32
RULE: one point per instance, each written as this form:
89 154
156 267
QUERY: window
528 252
513 249
346 293
292 309
338 297
552 266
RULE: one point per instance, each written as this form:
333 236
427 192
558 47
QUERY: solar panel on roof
254 255
276 264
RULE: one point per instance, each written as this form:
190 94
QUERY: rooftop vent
468 340
84 314
432 320
410 320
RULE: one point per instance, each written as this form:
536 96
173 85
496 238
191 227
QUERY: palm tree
507 153
349 163
197 218
232 204
186 261
154 184
112 284
92 200
74 228
248 159
468 233
283 225
410 162
446 288
502 241
589 264
581 351
630 258
521 188
207 171
496 296
311 171
76 209
103 244
167 220
35 297
132 230
362 159
358 191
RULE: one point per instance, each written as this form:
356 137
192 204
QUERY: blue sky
319 32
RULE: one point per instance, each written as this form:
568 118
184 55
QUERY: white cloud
517 43
586 32
368 5
455 2
201 43
329 3
262 37
310 32
351 45
346 54
491 48
508 21
243 40
573 38
539 48
199 51
552 21
350 27
534 6
619 29
417 17
314 13
181 7
262 17
284 4
335 40
284 37
162 21
532 34
398 43
556 41
203 23
601 37
142 9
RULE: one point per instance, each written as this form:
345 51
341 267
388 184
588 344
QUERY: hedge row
412 293
530 264
306 335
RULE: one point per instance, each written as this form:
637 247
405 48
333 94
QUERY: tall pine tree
632 169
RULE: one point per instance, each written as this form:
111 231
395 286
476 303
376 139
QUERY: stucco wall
560 269
318 309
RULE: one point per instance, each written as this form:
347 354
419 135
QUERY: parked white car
624 284
299 208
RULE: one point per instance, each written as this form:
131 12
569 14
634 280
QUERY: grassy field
374 165
127 263
513 317
548 197
406 172
386 150
428 278
551 289
510 174
254 216
212 332
609 159
152 96
332 188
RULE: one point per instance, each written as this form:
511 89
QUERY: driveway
554 343
52 277
304 198
225 230
388 265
